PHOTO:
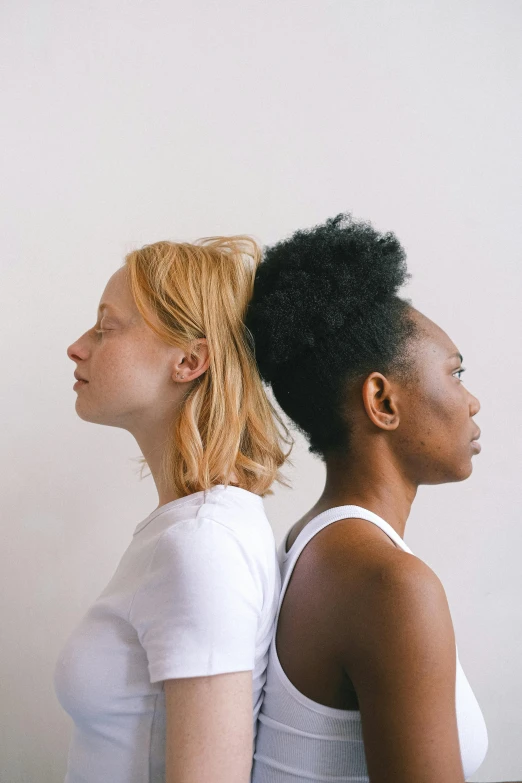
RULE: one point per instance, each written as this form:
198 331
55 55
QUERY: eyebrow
456 355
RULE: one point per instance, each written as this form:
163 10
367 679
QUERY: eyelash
462 369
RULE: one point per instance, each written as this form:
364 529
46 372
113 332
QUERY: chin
87 415
466 469
82 415
450 474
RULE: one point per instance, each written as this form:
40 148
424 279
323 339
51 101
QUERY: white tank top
300 739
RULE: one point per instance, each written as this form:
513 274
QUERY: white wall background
129 122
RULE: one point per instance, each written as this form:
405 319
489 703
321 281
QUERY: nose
474 405
75 353
76 349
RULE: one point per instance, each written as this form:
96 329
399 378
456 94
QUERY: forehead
433 339
117 296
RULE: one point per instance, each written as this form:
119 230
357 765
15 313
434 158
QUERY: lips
79 378
475 444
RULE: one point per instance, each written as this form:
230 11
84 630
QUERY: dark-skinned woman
364 681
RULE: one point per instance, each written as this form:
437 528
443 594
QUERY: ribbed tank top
300 739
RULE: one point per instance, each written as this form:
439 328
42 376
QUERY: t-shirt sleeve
197 610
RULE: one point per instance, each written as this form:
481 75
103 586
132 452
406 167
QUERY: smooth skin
364 625
136 381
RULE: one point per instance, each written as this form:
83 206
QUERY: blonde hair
226 423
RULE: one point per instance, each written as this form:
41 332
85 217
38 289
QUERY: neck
152 440
374 482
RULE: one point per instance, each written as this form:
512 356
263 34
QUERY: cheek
443 403
130 368
433 416
116 368
441 422
138 375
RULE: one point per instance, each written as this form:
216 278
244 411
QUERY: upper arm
401 659
209 729
198 608
196 615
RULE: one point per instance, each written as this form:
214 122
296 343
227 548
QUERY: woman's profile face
436 434
126 365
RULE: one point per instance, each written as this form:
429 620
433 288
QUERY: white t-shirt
194 594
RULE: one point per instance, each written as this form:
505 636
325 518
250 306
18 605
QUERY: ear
380 401
192 363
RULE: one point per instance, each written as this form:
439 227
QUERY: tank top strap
287 560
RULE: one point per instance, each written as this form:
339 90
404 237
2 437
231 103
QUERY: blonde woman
163 675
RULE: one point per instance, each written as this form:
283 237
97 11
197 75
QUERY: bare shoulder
366 551
395 641
378 594
408 606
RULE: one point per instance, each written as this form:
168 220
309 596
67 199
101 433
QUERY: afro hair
325 313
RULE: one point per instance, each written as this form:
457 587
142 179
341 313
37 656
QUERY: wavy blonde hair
226 424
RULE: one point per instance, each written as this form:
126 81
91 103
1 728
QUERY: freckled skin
136 380
127 366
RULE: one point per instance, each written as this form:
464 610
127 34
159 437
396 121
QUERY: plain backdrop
124 123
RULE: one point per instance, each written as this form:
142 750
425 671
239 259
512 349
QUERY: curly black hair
325 313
